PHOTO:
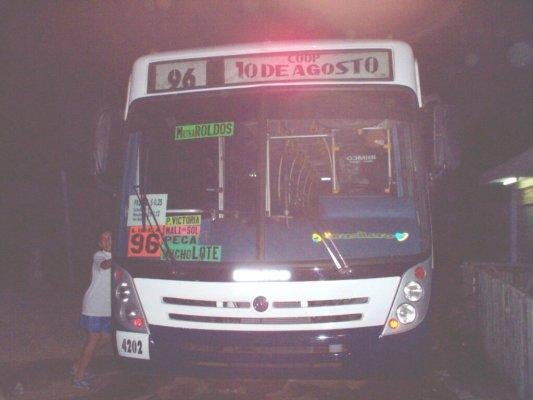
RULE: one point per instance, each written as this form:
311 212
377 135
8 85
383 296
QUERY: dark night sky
61 60
62 57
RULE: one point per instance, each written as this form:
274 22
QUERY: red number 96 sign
144 242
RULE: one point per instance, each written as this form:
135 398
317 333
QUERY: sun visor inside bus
334 207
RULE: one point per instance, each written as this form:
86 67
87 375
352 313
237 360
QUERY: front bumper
351 353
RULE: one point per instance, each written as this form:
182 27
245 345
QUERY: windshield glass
264 175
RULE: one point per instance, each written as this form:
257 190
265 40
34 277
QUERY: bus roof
402 71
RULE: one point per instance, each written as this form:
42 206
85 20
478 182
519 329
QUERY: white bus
274 208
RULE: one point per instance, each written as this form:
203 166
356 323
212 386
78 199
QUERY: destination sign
186 248
359 65
341 65
183 225
182 230
193 219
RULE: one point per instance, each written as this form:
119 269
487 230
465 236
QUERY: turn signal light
393 324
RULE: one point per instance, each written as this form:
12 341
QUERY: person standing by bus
96 310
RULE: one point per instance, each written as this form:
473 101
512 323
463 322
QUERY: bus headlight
406 313
123 292
413 291
411 302
127 308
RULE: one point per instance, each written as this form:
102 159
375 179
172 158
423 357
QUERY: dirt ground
40 339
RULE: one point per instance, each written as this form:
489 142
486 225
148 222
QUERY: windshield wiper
145 205
326 238
333 251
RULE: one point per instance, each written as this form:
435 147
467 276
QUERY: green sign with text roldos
202 131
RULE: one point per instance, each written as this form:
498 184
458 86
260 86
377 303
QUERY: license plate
134 345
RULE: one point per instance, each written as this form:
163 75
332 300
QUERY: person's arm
106 264
101 260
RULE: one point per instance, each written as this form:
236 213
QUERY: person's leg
105 337
87 354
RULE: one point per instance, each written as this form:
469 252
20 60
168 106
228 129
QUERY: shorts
96 324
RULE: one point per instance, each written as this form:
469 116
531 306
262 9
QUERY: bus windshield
265 174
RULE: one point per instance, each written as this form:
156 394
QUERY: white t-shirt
97 299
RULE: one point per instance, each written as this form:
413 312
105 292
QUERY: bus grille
292 306
276 304
288 320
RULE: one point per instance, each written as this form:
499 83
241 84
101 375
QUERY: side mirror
441 123
446 149
108 125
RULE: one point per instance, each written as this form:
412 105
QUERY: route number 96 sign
178 75
144 242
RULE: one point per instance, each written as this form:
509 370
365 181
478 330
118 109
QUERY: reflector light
118 274
138 322
393 324
420 272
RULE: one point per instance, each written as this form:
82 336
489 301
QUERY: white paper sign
359 65
158 204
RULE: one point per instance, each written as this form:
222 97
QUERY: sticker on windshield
201 131
156 211
399 236
183 225
186 248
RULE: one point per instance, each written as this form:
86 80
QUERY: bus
274 208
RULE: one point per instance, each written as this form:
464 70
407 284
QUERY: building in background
516 176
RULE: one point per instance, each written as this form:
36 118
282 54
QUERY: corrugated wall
525 226
503 296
